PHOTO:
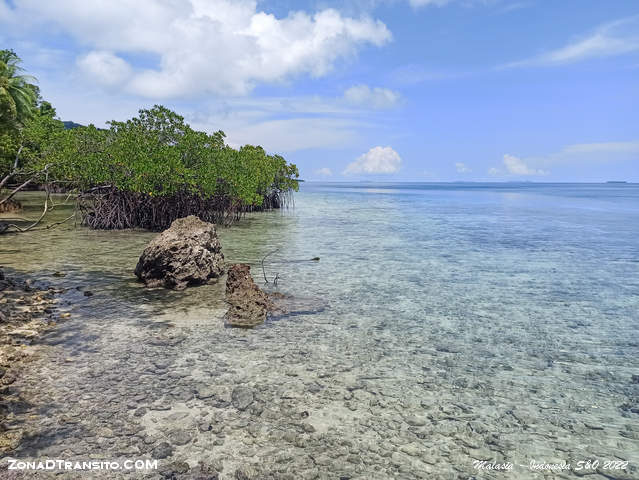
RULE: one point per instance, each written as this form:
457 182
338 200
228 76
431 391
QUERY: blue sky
390 90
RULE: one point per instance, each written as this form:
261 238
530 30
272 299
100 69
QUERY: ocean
453 330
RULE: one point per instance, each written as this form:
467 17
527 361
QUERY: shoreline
27 311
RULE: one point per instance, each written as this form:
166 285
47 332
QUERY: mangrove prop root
107 208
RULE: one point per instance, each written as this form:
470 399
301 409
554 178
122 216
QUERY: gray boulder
187 253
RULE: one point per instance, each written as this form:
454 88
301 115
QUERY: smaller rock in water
242 397
140 412
245 473
207 472
180 437
204 392
175 470
415 421
187 253
162 451
248 304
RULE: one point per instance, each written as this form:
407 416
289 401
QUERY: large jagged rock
248 304
187 253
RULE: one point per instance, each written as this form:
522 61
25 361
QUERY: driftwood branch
264 258
53 225
16 190
31 179
45 209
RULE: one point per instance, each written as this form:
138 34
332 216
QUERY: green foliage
29 131
151 163
18 94
35 144
158 154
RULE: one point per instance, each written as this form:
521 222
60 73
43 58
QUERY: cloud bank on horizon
466 90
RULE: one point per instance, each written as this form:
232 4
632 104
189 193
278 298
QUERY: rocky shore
26 310
45 390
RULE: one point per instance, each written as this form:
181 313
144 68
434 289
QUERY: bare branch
16 190
264 271
15 162
20 187
13 171
53 225
6 179
44 210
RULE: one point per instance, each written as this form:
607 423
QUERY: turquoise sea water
462 322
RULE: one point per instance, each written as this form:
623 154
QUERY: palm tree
18 95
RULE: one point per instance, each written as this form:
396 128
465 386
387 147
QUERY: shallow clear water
465 322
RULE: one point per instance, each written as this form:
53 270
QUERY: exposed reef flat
26 311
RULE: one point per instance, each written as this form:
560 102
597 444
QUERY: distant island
616 181
68 125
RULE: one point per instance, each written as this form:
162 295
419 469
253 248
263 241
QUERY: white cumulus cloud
105 68
376 160
516 166
377 97
462 168
201 46
324 172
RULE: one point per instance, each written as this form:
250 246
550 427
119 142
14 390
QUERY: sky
351 90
